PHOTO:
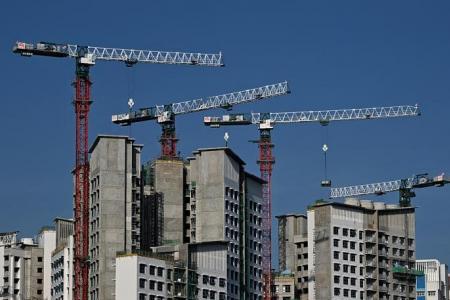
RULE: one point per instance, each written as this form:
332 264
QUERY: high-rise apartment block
62 261
361 250
115 169
433 284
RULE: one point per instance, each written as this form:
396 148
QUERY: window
353 293
345 281
344 231
39 281
336 242
142 283
346 268
352 233
335 230
287 288
352 245
336 279
345 244
221 282
152 270
212 295
160 286
205 278
39 259
39 270
152 285
212 280
353 281
345 256
142 268
353 269
39 292
336 255
353 257
160 271
345 293
142 297
205 294
337 267
337 291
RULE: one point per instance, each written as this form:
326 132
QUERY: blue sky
335 54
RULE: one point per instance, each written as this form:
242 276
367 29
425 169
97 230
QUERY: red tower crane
266 160
85 57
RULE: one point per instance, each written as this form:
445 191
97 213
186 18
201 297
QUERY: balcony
370 239
370 251
404 271
370 263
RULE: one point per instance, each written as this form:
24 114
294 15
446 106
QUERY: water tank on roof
352 201
367 204
391 206
27 241
379 205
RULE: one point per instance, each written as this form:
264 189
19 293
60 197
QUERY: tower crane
165 114
265 123
405 187
85 57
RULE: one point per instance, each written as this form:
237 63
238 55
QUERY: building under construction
358 249
207 203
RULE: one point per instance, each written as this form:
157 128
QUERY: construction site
205 223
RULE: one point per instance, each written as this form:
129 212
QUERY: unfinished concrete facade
293 250
361 250
115 169
225 204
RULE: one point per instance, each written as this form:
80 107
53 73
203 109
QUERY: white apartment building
62 275
433 285
46 240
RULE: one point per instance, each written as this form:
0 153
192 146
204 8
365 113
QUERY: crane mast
85 57
266 160
165 114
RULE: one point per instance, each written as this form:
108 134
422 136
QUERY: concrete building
433 284
21 268
46 239
360 249
115 170
225 204
293 250
283 286
62 261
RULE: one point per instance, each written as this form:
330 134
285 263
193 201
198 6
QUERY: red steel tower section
82 104
266 161
168 140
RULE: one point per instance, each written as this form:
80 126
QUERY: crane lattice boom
130 56
419 181
339 114
220 101
323 116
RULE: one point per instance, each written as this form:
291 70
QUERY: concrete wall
113 171
169 182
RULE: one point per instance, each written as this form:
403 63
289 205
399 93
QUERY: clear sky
335 54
